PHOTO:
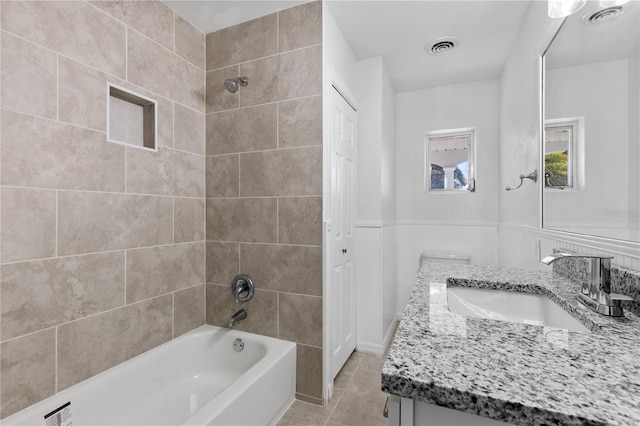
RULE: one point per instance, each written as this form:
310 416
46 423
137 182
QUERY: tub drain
238 345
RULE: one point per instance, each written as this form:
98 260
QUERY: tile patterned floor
357 398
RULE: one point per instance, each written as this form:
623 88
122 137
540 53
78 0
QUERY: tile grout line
173 220
55 250
125 278
94 191
173 315
95 253
298 49
125 169
109 74
96 314
58 87
55 355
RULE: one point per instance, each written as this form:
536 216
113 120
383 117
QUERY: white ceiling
398 31
213 15
579 42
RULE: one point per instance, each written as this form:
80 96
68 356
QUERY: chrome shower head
231 84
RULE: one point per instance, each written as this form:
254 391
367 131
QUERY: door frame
332 83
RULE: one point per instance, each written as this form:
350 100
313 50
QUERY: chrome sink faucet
596 293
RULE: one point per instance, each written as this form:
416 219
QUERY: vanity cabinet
407 412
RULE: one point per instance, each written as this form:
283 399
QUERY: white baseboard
387 338
374 348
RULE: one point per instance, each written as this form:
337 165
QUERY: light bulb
562 8
612 3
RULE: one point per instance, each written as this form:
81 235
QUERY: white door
343 283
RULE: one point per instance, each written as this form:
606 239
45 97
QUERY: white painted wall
461 221
519 232
472 104
376 204
369 93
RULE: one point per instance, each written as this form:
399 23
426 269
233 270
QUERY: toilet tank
445 257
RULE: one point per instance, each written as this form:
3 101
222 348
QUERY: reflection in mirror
449 160
561 139
592 124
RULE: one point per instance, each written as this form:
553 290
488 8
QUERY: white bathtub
195 379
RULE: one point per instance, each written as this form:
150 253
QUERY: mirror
591 142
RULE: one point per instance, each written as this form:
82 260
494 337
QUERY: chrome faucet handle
242 288
613 299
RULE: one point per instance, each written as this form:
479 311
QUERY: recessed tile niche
131 118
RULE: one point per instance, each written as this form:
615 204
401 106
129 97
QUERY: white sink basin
510 306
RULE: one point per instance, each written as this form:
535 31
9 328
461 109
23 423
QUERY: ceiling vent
604 15
442 45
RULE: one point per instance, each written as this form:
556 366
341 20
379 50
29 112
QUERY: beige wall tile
188 219
28 77
247 129
294 269
243 42
188 309
158 70
47 154
296 171
166 172
223 262
154 19
300 122
189 129
91 345
82 95
223 178
74 29
218 98
300 318
246 219
300 220
93 222
290 75
300 26
309 371
82 99
27 371
45 293
158 270
28 224
262 310
189 42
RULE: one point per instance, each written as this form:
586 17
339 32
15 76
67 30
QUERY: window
561 152
449 160
131 118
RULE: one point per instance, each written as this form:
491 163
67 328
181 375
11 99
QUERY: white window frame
450 133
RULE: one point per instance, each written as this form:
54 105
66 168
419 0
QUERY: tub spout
238 316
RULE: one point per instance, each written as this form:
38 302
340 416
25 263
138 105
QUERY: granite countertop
517 373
